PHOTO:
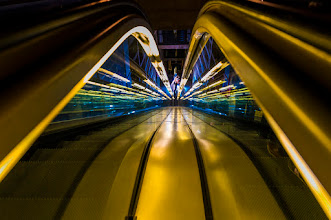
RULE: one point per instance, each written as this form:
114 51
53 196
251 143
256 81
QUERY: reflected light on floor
212 155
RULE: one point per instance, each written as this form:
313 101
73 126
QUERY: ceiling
171 14
172 21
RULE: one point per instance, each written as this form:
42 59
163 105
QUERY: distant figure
174 84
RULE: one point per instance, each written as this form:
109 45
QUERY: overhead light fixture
226 87
213 85
115 75
155 87
123 89
138 86
211 73
148 43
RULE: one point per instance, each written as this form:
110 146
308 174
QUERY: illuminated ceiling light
227 87
195 86
213 85
145 89
115 75
211 73
155 87
146 39
208 87
97 84
211 94
138 86
126 92
119 88
164 78
112 85
197 92
213 91
216 69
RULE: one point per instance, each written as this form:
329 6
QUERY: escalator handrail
287 68
46 65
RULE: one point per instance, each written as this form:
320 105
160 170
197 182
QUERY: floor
165 164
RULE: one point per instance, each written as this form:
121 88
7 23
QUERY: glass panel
227 95
118 88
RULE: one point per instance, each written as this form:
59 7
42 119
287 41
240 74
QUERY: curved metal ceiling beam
287 69
54 74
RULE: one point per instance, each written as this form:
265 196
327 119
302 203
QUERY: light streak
211 73
115 75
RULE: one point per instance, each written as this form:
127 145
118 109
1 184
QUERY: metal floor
166 164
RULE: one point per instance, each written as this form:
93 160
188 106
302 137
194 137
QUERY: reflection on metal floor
171 187
165 164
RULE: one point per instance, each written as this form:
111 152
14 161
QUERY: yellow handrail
28 107
269 55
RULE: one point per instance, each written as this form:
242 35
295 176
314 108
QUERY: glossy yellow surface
171 187
112 196
298 118
236 188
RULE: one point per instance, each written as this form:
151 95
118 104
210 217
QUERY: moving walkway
168 162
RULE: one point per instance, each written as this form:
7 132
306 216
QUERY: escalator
94 137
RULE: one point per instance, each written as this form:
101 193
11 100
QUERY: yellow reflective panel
171 187
208 148
236 188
